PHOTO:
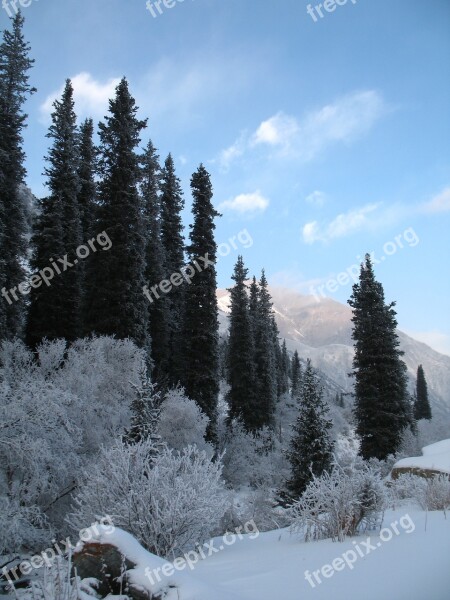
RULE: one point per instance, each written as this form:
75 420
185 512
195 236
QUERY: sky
326 136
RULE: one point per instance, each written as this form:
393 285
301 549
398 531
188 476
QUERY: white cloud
438 204
316 198
343 121
279 130
246 203
341 226
91 97
236 150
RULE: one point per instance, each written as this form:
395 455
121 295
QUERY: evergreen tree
265 357
382 409
87 202
155 262
422 408
14 89
55 310
201 325
283 370
241 367
172 204
311 448
296 376
87 168
116 303
145 415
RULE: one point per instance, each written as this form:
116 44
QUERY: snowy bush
254 460
340 504
430 493
259 505
57 409
56 583
21 526
168 502
182 423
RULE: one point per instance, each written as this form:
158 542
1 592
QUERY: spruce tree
382 410
55 310
116 302
172 204
241 367
87 202
422 408
155 270
87 168
14 89
283 370
296 376
265 357
311 448
201 325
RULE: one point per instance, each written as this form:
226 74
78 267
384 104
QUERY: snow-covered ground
411 566
408 559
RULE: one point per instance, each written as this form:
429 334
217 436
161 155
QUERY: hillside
322 331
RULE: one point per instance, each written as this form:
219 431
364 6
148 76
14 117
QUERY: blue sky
325 138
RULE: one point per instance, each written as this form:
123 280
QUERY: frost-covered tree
58 408
145 413
382 408
342 503
310 451
182 423
170 502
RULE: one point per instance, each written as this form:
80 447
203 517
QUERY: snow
435 457
412 565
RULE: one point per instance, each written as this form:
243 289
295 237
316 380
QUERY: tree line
137 202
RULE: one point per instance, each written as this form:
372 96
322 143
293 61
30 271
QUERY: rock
109 566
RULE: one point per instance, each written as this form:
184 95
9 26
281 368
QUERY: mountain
321 330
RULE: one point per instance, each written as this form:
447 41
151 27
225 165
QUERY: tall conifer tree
116 303
422 408
14 89
241 367
201 325
155 270
55 310
382 409
265 356
172 203
311 447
